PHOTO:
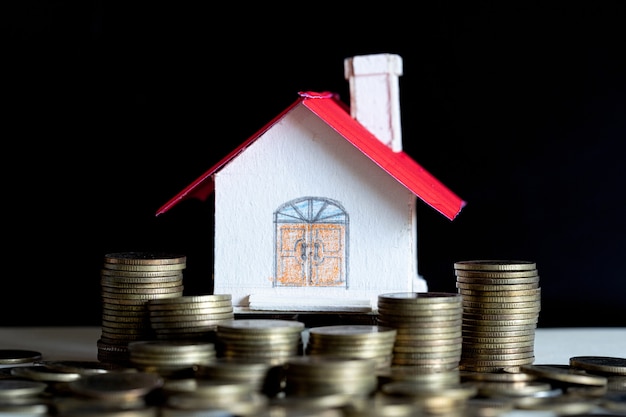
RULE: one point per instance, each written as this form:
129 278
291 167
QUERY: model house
316 211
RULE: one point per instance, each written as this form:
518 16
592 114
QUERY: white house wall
301 156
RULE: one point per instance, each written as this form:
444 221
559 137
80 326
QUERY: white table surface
552 345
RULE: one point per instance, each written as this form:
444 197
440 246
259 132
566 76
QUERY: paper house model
316 211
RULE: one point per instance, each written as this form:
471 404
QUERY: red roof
335 113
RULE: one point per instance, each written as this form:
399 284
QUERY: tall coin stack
129 280
428 329
501 304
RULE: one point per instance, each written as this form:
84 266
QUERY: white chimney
375 95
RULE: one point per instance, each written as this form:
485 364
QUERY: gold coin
502 323
411 318
18 387
146 268
467 303
347 344
562 405
604 364
564 373
512 389
498 334
43 373
116 386
468 356
495 265
207 298
530 274
120 298
410 373
17 356
263 326
194 332
495 280
141 275
498 363
497 317
188 322
119 326
495 344
419 298
257 338
144 258
496 287
409 389
135 319
468 311
441 350
160 308
121 304
190 318
436 325
419 308
428 338
184 311
499 376
329 366
124 286
500 299
501 293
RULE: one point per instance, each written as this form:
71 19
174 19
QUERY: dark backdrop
111 108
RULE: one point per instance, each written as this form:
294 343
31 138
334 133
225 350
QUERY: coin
144 258
263 326
81 367
13 356
17 387
495 265
43 373
116 385
497 376
604 364
563 374
420 297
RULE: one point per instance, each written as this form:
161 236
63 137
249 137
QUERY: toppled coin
14 356
603 364
18 387
564 373
117 385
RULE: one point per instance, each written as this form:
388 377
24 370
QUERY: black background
111 108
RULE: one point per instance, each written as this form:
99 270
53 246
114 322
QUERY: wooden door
310 254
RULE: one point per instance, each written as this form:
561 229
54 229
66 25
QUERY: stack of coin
353 341
447 401
128 281
190 317
212 398
111 393
324 375
23 397
417 376
501 304
169 357
428 326
264 377
268 340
